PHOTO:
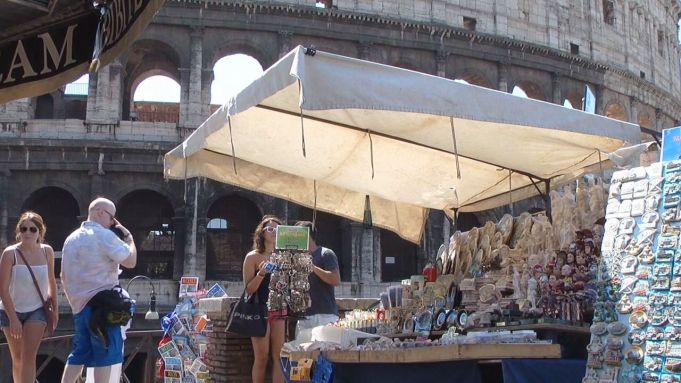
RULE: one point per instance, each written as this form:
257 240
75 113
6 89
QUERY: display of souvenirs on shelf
521 270
526 268
184 344
636 330
289 282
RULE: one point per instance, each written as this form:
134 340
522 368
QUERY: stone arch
149 217
615 110
645 121
176 199
52 182
44 107
226 81
227 246
475 78
246 47
60 212
150 73
532 89
75 109
574 94
146 58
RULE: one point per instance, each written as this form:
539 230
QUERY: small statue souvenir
532 293
595 350
517 291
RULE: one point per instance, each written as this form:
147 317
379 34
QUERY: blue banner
671 144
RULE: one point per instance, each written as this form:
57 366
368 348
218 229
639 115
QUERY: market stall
326 131
343 135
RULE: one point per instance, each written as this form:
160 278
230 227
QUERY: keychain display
289 283
640 274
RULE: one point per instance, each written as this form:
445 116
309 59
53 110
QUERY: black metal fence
138 367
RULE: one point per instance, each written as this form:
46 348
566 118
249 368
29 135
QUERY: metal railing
57 349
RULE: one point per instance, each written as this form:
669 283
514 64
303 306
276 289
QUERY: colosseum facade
59 150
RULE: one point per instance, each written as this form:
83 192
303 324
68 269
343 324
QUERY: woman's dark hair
259 234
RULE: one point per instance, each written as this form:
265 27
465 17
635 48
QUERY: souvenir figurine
524 279
517 291
591 376
560 260
595 353
580 258
566 274
532 293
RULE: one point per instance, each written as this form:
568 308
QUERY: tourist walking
90 262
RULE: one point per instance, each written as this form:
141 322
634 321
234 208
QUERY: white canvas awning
350 128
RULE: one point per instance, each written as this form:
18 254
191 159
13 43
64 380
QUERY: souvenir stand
334 149
636 331
500 284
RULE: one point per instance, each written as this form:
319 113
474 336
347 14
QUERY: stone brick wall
230 357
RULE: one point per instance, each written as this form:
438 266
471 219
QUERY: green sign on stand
292 237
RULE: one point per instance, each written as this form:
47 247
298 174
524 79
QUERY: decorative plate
638 319
634 355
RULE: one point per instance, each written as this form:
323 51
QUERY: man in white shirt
90 261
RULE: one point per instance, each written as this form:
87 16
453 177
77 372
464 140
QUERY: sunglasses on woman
24 229
270 229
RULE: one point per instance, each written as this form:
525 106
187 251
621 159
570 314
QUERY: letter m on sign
50 50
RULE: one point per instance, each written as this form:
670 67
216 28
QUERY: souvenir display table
437 363
572 338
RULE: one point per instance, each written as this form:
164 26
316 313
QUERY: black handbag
248 317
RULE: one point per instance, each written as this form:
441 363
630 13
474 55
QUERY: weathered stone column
502 84
201 239
114 105
284 42
91 107
633 111
206 88
441 62
184 98
194 104
195 227
364 50
97 187
99 103
366 252
180 226
557 92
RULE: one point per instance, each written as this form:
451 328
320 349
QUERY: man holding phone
90 261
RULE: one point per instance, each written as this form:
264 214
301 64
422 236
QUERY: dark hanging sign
61 52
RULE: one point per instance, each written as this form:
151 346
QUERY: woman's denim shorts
35 315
